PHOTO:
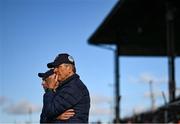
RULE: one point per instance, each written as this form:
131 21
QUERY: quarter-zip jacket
71 94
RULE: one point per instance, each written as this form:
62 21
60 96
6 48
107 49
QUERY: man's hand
66 115
50 82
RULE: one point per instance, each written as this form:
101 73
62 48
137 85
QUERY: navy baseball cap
60 59
46 74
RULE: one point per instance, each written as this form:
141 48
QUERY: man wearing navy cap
65 115
71 92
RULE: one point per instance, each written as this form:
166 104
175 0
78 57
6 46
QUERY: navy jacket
71 94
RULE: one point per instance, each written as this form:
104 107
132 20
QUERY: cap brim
41 75
46 74
50 65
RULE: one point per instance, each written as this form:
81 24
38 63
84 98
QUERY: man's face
62 71
50 79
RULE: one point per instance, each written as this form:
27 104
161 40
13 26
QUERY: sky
33 32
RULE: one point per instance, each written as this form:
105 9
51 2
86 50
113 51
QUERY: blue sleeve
56 103
43 117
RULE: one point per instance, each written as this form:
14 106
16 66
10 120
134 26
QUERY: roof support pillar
117 85
170 50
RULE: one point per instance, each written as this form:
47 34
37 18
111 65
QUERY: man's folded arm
54 105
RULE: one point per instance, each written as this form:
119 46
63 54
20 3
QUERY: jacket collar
68 79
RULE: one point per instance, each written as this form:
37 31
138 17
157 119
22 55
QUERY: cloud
147 77
101 105
22 107
155 93
3 100
101 111
100 99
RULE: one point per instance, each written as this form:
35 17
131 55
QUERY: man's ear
69 66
